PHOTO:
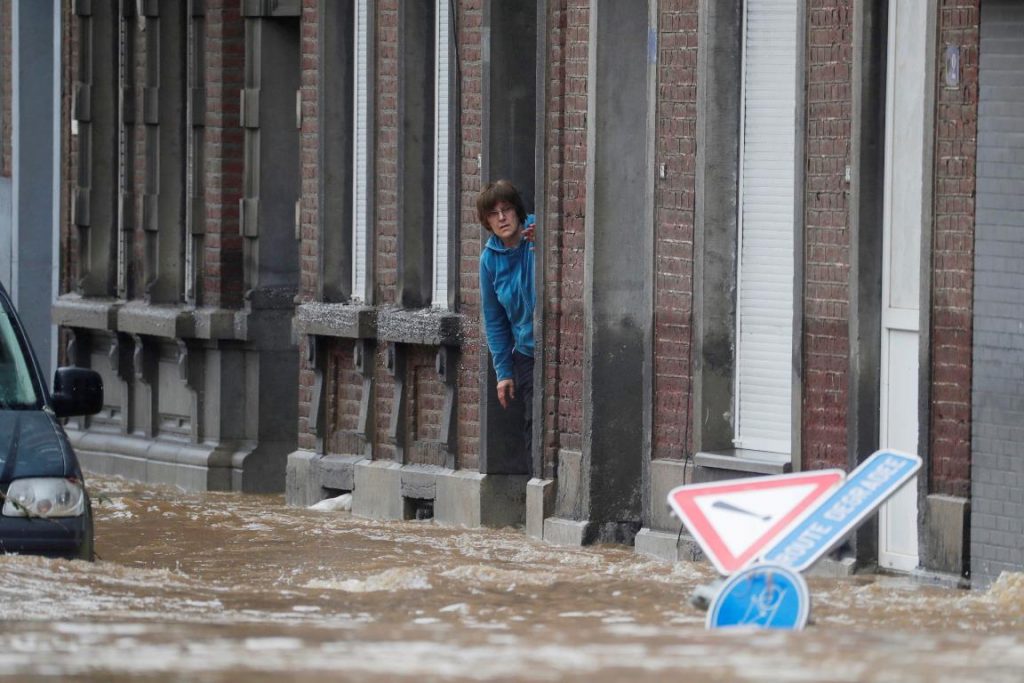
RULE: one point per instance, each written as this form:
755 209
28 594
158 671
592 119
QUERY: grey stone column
36 185
618 266
867 175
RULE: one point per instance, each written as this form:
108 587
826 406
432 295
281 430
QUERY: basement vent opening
418 508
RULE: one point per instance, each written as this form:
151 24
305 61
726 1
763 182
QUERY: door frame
925 279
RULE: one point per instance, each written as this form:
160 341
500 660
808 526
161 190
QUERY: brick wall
470 22
424 400
386 193
309 144
136 270
387 153
674 206
826 344
309 226
225 64
956 119
343 387
568 30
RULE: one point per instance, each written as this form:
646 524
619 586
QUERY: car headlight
44 497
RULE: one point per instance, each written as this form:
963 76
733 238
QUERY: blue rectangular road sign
867 487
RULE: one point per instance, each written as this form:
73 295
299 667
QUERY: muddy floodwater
226 587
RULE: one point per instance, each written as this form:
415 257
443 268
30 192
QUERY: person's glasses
496 214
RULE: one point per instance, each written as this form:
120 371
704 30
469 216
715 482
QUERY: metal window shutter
360 151
767 178
441 141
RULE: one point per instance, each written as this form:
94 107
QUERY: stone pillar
36 186
600 495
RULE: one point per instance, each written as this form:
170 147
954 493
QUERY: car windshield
17 390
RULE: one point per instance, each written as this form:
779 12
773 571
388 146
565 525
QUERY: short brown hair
498 191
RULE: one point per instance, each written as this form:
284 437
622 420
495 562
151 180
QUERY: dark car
46 508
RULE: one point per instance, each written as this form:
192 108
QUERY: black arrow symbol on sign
734 508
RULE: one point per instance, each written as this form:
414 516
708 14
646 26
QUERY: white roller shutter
360 151
767 178
442 62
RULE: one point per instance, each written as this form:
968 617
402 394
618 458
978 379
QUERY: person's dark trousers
522 368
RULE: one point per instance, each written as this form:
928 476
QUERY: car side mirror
77 391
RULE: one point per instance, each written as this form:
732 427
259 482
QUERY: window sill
425 326
168 321
336 320
745 461
74 310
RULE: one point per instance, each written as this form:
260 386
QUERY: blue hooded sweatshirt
507 293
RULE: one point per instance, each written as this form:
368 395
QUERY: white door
906 98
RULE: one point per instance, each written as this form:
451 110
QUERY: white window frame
442 141
360 148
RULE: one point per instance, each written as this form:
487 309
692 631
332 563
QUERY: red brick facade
956 133
565 219
824 312
222 245
825 309
674 214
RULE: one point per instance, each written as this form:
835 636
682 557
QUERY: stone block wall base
299 488
378 490
382 489
192 467
559 531
470 499
312 477
667 546
540 504
833 568
947 534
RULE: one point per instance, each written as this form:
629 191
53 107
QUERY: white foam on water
342 503
390 580
264 644
496 576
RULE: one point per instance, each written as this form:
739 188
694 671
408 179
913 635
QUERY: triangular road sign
735 521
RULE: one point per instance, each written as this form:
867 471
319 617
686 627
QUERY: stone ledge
74 310
424 326
665 476
194 467
420 481
719 465
567 532
335 320
667 546
540 504
168 321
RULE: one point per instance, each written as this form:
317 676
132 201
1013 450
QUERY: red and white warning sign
735 521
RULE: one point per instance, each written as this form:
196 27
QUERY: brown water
225 587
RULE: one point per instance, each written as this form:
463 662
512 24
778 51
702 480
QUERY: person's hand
528 226
506 392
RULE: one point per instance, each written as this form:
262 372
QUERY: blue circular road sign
762 596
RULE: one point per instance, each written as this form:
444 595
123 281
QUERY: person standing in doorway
507 294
